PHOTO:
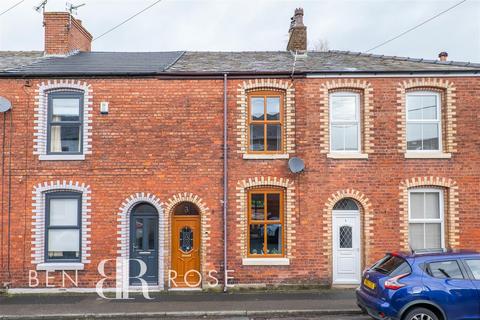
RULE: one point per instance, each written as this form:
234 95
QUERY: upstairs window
265 122
65 123
345 122
63 221
423 121
426 221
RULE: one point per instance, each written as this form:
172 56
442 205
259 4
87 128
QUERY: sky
258 25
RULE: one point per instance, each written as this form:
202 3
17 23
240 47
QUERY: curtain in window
55 136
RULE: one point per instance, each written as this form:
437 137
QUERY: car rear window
392 265
474 266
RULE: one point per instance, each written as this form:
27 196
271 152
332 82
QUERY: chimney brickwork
443 56
297 40
64 34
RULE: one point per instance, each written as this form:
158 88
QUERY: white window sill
250 156
347 155
54 266
266 261
56 157
427 155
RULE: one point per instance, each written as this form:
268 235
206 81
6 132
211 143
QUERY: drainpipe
225 181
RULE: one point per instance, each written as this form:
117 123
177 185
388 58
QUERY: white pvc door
346 247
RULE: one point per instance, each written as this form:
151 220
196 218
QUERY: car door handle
144 252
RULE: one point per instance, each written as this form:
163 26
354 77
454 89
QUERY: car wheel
420 314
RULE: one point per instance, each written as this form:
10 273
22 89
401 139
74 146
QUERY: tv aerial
41 6
73 8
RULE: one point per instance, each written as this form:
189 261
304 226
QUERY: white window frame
441 220
357 121
437 121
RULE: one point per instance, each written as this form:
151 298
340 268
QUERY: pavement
316 304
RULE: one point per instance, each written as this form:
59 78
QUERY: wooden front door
186 251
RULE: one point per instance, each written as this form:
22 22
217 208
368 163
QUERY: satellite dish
5 104
296 165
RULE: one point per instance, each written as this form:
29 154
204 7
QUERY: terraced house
180 159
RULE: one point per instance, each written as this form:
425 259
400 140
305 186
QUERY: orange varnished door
186 250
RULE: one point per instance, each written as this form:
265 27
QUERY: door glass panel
257 137
151 234
138 234
474 266
186 239
345 237
273 205
274 238
186 209
345 204
256 239
258 206
257 108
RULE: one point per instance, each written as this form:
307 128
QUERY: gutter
225 181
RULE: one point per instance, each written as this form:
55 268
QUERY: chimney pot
443 56
297 33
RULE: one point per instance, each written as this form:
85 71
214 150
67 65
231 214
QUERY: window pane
429 107
63 212
351 137
432 208
430 136
273 205
63 244
417 205
474 266
151 234
258 206
274 137
433 236
273 108
445 270
65 109
256 239
338 138
257 108
257 137
274 239
414 107
65 139
414 136
343 108
139 234
416 236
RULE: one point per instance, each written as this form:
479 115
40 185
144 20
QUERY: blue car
422 286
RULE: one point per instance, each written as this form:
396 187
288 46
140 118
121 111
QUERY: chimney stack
297 40
64 34
443 56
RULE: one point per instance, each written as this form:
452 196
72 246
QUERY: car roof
421 256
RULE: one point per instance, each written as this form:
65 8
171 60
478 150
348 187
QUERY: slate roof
181 63
15 59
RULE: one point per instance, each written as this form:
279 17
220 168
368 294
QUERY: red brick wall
64 35
165 137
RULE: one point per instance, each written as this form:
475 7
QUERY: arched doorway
186 245
346 242
144 243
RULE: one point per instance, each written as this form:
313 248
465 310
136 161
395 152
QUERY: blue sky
250 25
